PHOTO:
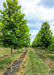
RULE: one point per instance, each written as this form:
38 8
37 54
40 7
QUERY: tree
51 46
13 26
44 37
0 34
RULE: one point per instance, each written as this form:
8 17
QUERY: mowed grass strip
4 51
45 53
35 64
7 60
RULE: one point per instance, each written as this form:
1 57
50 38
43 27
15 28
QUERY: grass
7 60
50 55
4 51
35 64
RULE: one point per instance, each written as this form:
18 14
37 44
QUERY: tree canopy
13 27
44 37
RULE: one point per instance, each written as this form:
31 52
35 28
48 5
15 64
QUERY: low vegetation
5 51
46 53
35 64
7 60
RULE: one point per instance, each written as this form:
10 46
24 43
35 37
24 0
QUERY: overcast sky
36 12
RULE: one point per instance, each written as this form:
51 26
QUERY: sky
36 12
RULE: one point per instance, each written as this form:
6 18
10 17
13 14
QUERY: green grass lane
45 53
36 65
7 60
4 51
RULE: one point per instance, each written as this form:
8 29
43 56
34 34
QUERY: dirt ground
16 65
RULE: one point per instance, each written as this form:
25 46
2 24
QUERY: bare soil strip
47 60
5 68
22 70
7 55
16 65
4 56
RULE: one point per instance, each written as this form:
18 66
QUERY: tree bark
11 59
18 51
18 58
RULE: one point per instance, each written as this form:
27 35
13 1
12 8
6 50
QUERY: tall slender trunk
18 58
18 51
11 59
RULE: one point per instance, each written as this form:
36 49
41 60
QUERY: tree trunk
18 58
18 51
11 59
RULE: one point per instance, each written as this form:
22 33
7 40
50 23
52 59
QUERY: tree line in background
44 39
14 31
